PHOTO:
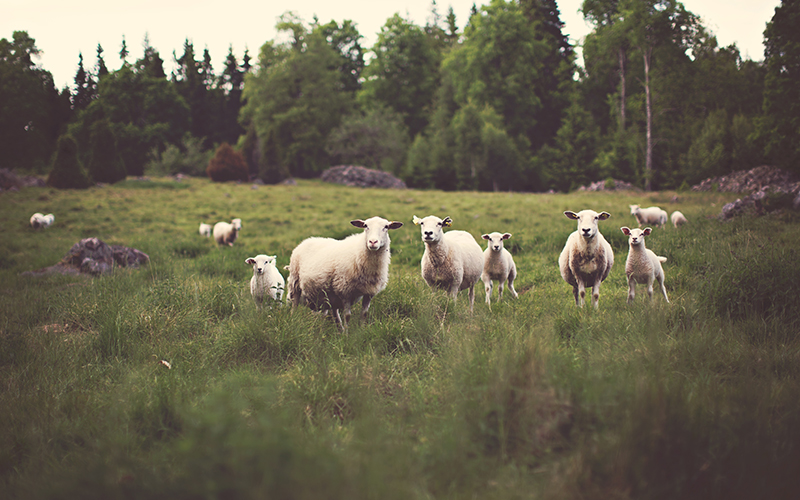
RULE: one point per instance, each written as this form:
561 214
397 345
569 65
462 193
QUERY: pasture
167 382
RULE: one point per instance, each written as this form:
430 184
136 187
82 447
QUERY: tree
85 87
227 165
105 162
376 139
345 40
100 68
68 171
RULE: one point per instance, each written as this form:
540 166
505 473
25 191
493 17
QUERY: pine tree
100 70
85 87
105 163
123 51
67 172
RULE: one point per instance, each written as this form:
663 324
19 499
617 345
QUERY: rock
751 181
93 256
609 185
350 175
12 182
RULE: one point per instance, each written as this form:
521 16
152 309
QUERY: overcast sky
62 31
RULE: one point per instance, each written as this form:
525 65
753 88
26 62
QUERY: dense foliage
227 165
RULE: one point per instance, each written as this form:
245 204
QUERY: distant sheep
453 261
205 230
651 215
225 233
498 264
267 281
39 221
331 275
587 257
643 265
678 219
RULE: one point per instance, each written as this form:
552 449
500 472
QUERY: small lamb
498 264
205 230
643 265
42 221
587 257
225 233
678 219
453 260
651 215
266 280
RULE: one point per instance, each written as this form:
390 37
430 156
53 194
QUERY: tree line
499 105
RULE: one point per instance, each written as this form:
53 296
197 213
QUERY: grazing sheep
266 280
225 233
587 257
643 265
453 260
205 230
328 274
41 221
651 215
498 264
678 219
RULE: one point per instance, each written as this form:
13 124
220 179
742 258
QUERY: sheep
452 261
587 258
678 219
225 233
266 280
331 275
205 230
498 264
41 221
643 265
650 215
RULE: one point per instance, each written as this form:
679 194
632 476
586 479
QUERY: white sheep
328 274
205 230
266 280
587 258
42 221
643 265
453 261
498 264
678 219
225 233
651 215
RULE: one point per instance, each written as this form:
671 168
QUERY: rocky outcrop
361 177
609 185
93 256
10 181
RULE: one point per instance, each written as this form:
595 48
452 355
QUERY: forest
500 105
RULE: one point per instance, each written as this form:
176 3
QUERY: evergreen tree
85 87
123 51
68 171
105 163
100 69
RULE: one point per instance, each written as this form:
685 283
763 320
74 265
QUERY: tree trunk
648 169
622 90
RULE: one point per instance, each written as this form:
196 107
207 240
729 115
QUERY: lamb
266 280
225 233
643 265
42 221
331 275
452 261
651 215
498 264
587 257
678 219
205 230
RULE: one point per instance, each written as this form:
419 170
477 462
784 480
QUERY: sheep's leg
500 289
631 289
487 283
471 297
663 288
365 302
454 291
581 294
511 286
337 319
575 293
650 287
346 307
596 294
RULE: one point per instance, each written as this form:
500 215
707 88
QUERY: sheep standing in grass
225 233
643 265
651 215
498 264
328 274
678 219
587 257
205 230
267 281
453 260
39 221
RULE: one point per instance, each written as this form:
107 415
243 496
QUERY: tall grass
168 382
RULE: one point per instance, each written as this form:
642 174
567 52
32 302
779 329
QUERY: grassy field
533 398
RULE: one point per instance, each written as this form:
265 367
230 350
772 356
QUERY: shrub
105 163
68 172
227 165
188 158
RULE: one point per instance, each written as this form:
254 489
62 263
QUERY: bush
105 163
68 172
189 158
227 165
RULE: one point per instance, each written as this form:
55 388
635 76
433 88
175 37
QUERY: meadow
167 382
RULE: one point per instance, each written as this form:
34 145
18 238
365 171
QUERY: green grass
531 398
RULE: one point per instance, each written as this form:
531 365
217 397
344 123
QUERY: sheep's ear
447 221
417 221
571 215
625 231
395 225
485 236
250 261
647 231
604 215
506 236
359 223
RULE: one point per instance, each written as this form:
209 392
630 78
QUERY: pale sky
62 31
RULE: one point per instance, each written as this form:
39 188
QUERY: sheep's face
431 227
634 209
635 235
237 224
587 221
260 262
496 240
376 231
